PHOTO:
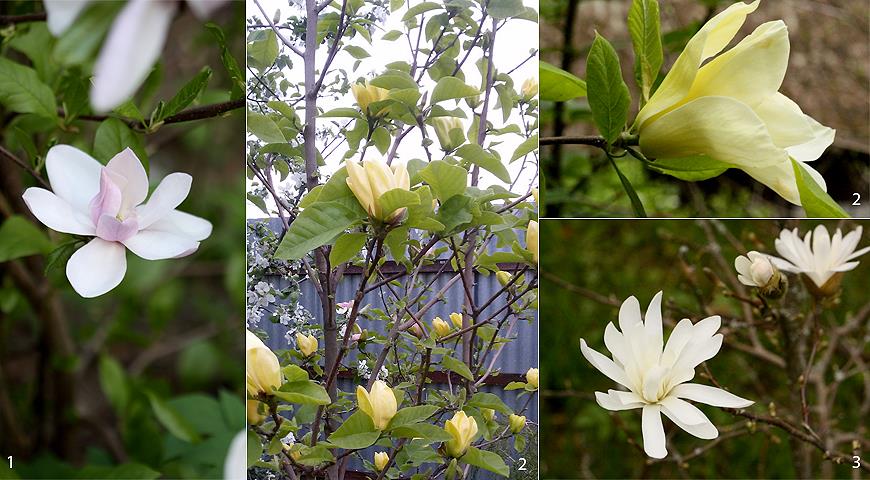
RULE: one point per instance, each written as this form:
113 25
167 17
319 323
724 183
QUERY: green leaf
188 93
557 85
391 200
355 433
346 247
314 456
230 63
381 139
529 145
262 53
632 195
264 128
411 415
113 381
22 91
816 202
449 88
392 35
316 226
341 112
486 460
306 392
643 24
21 238
172 421
475 154
489 400
446 180
607 92
457 366
420 8
691 169
112 137
394 79
255 448
515 386
358 53
502 9
79 43
126 471
429 433
455 211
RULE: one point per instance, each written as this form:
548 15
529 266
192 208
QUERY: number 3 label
856 458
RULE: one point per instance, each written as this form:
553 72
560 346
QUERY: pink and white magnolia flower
108 203
656 373
133 44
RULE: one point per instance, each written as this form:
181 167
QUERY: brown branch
21 163
196 113
574 140
14 19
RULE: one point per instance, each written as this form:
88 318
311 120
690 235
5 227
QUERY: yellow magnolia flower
374 178
440 327
462 428
307 344
443 127
532 377
535 194
366 94
488 413
381 460
730 109
517 423
254 410
262 370
530 88
379 404
504 278
532 239
456 319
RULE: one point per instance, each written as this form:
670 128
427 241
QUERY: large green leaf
355 433
557 85
412 415
397 198
529 145
692 169
816 202
457 366
188 93
316 226
263 52
112 137
629 189
455 211
446 180
305 392
22 91
643 24
421 8
607 92
449 88
172 420
489 400
346 246
486 460
475 154
425 431
113 381
21 238
264 128
502 9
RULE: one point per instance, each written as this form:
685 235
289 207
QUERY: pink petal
113 230
108 201
127 165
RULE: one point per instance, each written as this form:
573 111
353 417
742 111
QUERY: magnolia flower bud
517 423
381 460
756 270
262 370
307 344
371 180
379 404
416 330
366 94
456 319
532 239
535 195
488 414
462 429
253 410
504 278
439 327
443 128
532 377
529 89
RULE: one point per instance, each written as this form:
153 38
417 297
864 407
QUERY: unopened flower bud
307 344
529 89
254 410
449 132
439 327
517 423
488 414
462 429
504 278
381 460
456 318
366 94
532 377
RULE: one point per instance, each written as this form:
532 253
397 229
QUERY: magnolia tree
379 172
90 132
717 108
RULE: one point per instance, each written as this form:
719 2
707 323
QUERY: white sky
513 42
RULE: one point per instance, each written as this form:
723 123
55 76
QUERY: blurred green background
590 266
827 76
153 383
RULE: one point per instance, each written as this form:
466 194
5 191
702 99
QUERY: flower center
114 221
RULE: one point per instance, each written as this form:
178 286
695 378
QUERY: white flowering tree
111 246
397 144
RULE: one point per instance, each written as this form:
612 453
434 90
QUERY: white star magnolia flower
132 46
818 256
656 376
754 269
107 203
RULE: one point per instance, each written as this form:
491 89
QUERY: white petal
653 432
236 462
858 253
204 8
609 401
742 264
603 364
185 224
130 50
169 194
677 341
74 176
629 313
615 342
127 165
653 327
700 427
60 14
55 213
97 267
709 395
153 245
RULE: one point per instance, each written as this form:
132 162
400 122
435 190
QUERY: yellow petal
781 179
362 399
803 137
401 179
358 182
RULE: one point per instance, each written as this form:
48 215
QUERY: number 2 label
522 467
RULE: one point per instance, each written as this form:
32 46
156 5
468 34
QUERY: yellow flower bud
462 429
456 318
535 195
381 460
443 127
517 423
374 178
440 327
530 88
532 377
379 404
307 344
262 370
366 94
254 411
416 330
532 239
504 278
488 414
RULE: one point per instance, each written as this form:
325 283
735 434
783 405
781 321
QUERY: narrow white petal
604 364
55 213
60 14
609 401
204 8
615 342
653 432
629 313
677 341
169 194
130 50
684 411
153 245
97 267
709 395
74 176
702 428
653 327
